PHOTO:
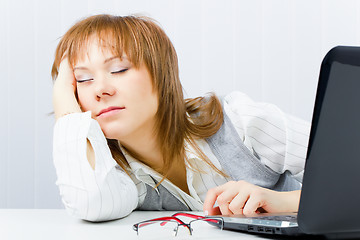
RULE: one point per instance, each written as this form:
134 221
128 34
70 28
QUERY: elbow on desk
97 206
95 215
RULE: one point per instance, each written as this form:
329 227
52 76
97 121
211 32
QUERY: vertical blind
269 49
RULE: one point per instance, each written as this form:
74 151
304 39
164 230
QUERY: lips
109 109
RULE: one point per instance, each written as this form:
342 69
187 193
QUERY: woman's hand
64 99
66 78
245 198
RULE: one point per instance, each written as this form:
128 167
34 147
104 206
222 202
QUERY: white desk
56 224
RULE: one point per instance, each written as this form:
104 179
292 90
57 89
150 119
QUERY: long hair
143 41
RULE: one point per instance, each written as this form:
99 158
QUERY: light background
269 49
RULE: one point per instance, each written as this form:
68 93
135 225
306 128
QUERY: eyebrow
110 59
105 61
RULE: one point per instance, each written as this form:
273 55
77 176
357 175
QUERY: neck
145 149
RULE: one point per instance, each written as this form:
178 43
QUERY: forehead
117 43
95 46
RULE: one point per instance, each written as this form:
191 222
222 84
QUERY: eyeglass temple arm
188 215
146 222
208 219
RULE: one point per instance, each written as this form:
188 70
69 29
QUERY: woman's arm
280 142
65 102
94 192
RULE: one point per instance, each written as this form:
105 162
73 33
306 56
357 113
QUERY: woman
126 139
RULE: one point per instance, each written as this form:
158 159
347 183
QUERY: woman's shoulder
236 97
240 103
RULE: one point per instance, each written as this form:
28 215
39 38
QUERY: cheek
83 100
148 96
143 86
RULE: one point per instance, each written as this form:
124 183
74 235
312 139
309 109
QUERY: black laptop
330 198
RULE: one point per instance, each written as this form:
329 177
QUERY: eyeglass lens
172 228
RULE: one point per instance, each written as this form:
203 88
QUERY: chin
113 132
110 134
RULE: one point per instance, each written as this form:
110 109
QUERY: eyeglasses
170 225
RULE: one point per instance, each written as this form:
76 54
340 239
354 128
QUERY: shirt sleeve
102 194
279 140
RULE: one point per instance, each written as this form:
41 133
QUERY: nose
104 89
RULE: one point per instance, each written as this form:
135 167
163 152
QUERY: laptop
330 197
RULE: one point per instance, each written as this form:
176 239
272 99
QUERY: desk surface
56 224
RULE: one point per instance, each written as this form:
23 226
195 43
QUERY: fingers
66 76
237 198
65 66
215 211
64 91
224 200
252 205
210 200
224 209
237 204
224 195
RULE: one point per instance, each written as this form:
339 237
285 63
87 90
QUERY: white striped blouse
107 192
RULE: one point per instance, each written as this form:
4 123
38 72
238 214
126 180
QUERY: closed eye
83 80
120 71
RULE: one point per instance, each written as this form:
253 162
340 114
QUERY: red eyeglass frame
164 220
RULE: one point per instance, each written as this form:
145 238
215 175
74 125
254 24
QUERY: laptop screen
331 189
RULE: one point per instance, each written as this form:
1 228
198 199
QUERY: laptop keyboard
288 218
282 220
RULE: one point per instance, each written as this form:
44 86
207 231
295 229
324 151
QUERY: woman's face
120 97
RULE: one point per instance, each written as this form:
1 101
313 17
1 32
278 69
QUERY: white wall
269 49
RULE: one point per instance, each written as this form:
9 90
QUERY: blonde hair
143 41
